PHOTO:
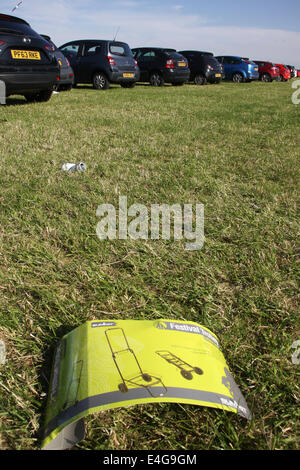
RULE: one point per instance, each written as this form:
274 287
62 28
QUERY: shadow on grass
15 102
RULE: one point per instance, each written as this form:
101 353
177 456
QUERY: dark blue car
239 69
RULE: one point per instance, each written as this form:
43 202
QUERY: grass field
233 148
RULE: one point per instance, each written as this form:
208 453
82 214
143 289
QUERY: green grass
234 148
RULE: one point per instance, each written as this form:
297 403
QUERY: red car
298 73
267 71
284 73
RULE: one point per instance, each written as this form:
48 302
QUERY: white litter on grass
72 167
55 92
2 353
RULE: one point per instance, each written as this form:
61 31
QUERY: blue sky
260 29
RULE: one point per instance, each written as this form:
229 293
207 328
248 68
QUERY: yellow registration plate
181 64
28 55
128 75
218 75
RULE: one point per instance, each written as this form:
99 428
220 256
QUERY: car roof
232 56
13 19
154 48
95 40
199 52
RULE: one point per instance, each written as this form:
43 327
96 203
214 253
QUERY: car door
145 63
229 66
72 51
90 60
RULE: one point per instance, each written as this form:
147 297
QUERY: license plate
60 62
128 75
256 70
218 75
181 64
28 55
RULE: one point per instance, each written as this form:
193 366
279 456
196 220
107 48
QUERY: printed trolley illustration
185 368
140 379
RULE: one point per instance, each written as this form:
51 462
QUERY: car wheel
128 84
238 78
40 97
266 77
100 81
200 79
156 79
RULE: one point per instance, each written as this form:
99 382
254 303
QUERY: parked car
239 69
293 71
66 74
102 62
298 73
159 66
284 73
203 67
268 72
27 64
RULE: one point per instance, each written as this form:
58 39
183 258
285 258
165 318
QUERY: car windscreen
12 27
121 49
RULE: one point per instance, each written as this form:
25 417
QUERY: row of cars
32 65
103 62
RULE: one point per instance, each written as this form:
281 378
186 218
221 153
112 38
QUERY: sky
259 29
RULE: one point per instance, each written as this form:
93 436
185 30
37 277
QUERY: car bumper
215 76
176 76
253 76
66 77
28 82
125 76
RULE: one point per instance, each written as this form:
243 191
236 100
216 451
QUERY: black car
27 64
66 74
101 62
204 67
159 66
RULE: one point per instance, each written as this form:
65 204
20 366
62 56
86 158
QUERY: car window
119 49
92 49
148 55
71 50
